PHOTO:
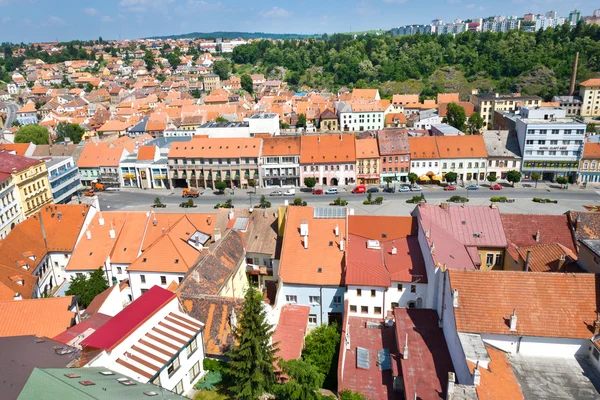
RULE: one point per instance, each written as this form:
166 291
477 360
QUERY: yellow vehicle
187 192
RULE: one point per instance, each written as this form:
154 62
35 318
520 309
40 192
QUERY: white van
331 191
290 192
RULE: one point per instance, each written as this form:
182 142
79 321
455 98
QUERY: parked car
417 188
472 187
331 191
404 189
373 190
317 191
450 187
359 189
497 186
290 192
276 193
389 190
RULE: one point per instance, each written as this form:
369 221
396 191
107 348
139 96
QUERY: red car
318 191
450 187
496 187
359 189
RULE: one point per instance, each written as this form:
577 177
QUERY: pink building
331 159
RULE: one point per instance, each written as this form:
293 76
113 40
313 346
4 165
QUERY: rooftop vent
86 383
71 376
373 244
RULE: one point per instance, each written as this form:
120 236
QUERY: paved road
11 114
394 204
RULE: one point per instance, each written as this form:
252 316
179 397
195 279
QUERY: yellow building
30 180
589 91
486 104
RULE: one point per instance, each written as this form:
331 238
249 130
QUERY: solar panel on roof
384 360
329 212
362 358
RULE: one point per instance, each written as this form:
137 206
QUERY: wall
345 174
588 260
237 283
384 297
302 292
10 208
461 166
422 167
537 346
350 121
152 278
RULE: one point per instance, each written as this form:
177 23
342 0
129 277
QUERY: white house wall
537 346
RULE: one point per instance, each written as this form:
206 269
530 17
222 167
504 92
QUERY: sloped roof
146 153
85 327
585 225
590 82
290 331
591 150
423 148
336 148
393 141
41 317
217 148
281 146
547 258
100 154
498 381
9 161
557 305
467 106
19 149
467 146
367 148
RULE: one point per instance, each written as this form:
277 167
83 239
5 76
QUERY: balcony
62 173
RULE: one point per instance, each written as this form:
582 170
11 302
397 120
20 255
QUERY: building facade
367 162
64 178
487 104
589 166
360 117
395 155
589 91
10 208
503 152
330 159
280 162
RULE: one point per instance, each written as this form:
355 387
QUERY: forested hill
233 35
530 63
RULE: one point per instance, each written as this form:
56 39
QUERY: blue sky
49 20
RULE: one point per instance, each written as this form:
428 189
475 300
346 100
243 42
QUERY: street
573 198
11 114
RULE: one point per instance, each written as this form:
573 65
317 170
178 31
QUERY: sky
50 20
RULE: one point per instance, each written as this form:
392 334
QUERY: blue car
472 187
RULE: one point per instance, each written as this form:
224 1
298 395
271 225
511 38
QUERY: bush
209 381
298 202
498 199
321 349
379 200
540 200
210 364
458 199
366 202
415 199
339 202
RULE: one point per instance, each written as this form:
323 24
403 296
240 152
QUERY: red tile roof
367 148
40 317
290 331
498 381
547 258
85 327
281 146
591 151
9 161
328 149
393 141
131 318
556 305
146 153
425 370
469 146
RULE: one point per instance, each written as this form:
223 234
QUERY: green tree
221 68
86 288
455 116
591 127
348 394
89 87
536 176
562 181
246 82
264 203
301 121
310 182
221 119
149 60
388 180
252 184
220 186
72 131
250 367
174 60
35 134
492 178
475 123
321 349
451 177
513 176
413 178
304 380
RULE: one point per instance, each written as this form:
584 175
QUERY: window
413 288
194 372
192 347
399 287
554 142
529 142
377 310
373 293
314 299
337 299
352 308
540 153
179 387
564 153
143 278
358 292
566 142
291 298
119 270
312 319
163 280
541 142
445 165
555 131
173 367
567 131
489 259
364 309
498 260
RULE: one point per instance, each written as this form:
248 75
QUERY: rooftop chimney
111 233
427 233
597 324
432 248
342 245
196 276
455 298
513 321
562 260
88 234
17 296
304 228
305 240
394 250
100 219
154 221
405 351
217 234
337 231
230 214
528 261
537 236
574 75
476 375
450 390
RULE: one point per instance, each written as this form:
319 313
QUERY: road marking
598 191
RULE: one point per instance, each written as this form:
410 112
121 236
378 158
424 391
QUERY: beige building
487 103
589 166
211 82
10 208
589 91
30 179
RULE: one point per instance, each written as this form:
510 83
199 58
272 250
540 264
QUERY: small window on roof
177 261
319 270
86 383
151 393
124 248
330 243
384 235
106 373
144 260
91 253
127 382
71 376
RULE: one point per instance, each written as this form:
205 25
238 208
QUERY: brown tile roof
367 148
54 150
300 265
547 258
556 305
585 225
281 146
100 154
40 317
590 82
261 232
423 148
591 150
146 153
521 229
217 148
328 149
467 106
393 141
468 146
498 381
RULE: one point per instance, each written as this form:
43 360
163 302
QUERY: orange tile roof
128 245
281 146
498 381
546 258
372 107
364 94
113 125
423 148
39 317
367 148
146 153
448 98
405 98
27 108
392 117
591 150
328 149
591 82
468 146
217 148
100 154
300 265
125 142
556 305
467 106
20 149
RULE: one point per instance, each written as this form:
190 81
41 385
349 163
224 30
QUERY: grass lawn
209 395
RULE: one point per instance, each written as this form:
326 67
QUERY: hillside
234 35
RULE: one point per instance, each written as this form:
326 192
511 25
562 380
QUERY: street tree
35 134
455 116
451 177
513 176
536 176
388 180
413 178
86 288
563 181
475 123
310 182
72 131
251 359
246 83
491 178
301 121
220 186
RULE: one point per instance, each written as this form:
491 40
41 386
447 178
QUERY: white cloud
90 11
275 12
56 21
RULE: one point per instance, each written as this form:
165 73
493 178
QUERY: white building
503 152
64 177
152 341
550 142
546 22
464 155
280 162
10 207
357 117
